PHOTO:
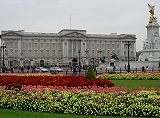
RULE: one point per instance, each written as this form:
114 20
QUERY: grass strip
8 113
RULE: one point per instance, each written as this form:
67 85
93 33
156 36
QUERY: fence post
106 70
152 69
66 72
120 70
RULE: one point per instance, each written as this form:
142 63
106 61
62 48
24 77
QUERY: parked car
55 69
41 69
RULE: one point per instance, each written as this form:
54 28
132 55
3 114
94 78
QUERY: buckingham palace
66 47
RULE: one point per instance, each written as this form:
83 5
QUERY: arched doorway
13 63
41 62
74 62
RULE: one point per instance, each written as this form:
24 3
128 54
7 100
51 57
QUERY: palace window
35 53
98 45
29 45
59 53
47 44
108 46
29 53
70 53
103 46
112 45
59 45
117 45
53 52
98 54
42 45
87 45
92 52
53 45
26 45
92 46
23 45
41 53
47 52
35 45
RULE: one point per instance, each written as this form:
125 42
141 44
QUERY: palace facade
63 48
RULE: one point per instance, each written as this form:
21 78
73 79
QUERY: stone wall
138 64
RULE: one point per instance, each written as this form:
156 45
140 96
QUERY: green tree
90 73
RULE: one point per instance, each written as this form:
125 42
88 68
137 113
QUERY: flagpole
70 22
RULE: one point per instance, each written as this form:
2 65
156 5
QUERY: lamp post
100 51
21 59
79 53
128 66
3 47
93 61
86 51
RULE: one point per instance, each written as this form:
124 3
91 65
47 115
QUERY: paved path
67 71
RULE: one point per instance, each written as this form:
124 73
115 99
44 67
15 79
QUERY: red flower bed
54 81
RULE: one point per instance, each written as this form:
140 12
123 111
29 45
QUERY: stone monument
103 66
151 46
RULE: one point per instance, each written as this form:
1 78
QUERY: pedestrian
114 68
125 67
22 69
34 69
143 69
12 69
74 71
28 68
146 70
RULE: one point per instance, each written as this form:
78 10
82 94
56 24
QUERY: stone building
63 48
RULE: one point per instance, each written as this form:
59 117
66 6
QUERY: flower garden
78 95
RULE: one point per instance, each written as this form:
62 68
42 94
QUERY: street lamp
79 53
86 51
21 59
93 60
3 47
128 66
100 51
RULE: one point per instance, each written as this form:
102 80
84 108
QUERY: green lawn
136 83
7 113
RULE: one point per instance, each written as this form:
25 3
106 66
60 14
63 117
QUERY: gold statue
151 10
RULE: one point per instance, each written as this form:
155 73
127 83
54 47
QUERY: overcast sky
95 16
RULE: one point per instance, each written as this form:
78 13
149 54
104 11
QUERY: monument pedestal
103 68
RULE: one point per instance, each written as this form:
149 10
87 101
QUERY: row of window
41 45
53 53
117 46
103 46
35 53
34 45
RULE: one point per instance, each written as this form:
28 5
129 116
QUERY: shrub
13 86
112 72
90 73
54 73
